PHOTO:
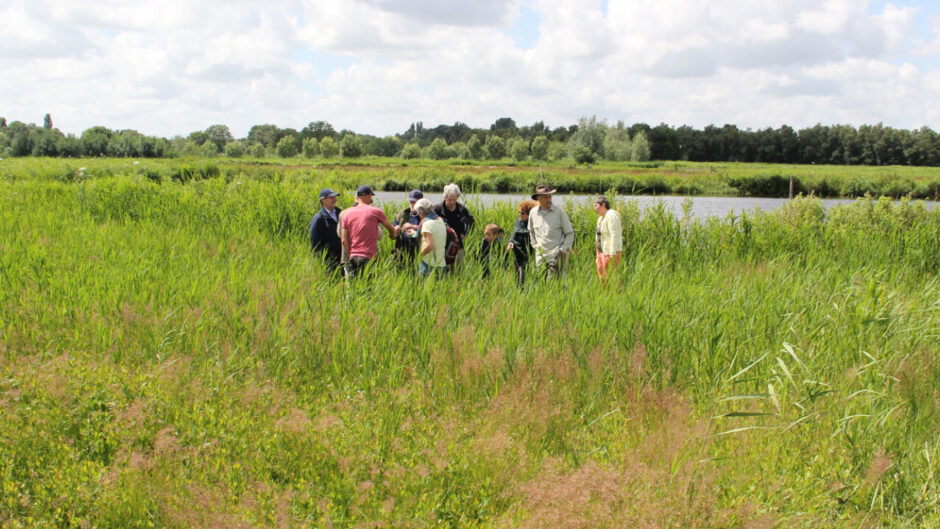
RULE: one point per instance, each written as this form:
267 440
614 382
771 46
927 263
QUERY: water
702 206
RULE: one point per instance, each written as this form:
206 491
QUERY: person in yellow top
609 237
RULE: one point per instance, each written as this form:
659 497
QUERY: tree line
589 141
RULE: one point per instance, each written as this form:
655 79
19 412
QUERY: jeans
425 270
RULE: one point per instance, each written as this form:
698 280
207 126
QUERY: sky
171 67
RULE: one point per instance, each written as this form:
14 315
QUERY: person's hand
510 246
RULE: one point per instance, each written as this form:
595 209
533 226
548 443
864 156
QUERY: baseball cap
364 190
415 195
327 193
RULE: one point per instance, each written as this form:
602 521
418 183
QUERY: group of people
435 235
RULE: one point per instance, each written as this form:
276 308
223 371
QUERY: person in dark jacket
324 236
520 243
407 220
455 214
491 248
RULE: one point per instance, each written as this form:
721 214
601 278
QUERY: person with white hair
455 214
433 240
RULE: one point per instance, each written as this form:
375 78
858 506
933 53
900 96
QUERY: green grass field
172 356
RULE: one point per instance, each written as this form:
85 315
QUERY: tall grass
172 355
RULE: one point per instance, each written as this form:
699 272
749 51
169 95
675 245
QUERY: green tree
318 130
47 121
587 143
95 141
287 147
257 150
557 150
328 147
235 149
311 147
208 150
350 147
640 151
438 149
68 146
411 151
220 136
539 148
43 141
495 147
520 149
475 147
617 143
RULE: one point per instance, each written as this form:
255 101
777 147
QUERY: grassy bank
172 356
392 174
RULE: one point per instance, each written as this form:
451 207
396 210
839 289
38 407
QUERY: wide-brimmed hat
542 190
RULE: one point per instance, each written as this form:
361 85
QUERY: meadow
171 355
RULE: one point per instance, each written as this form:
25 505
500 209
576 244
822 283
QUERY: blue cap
364 190
415 195
328 193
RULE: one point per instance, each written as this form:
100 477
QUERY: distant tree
3 123
198 137
617 143
257 150
95 141
411 151
43 141
318 130
287 147
388 146
267 135
235 149
504 127
557 150
539 148
640 148
587 143
328 147
68 146
475 147
438 149
47 121
520 149
350 147
208 150
495 147
311 147
220 136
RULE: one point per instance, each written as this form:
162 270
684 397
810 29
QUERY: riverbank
392 174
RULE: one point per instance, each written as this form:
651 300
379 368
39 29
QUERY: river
702 206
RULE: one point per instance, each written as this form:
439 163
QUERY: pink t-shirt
362 223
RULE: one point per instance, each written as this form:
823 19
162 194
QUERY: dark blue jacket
323 236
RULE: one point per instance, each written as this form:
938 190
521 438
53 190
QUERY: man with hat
407 220
551 233
360 231
324 237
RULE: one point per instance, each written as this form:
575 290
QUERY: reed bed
173 356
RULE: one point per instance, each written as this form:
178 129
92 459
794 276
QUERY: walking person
519 241
324 235
433 241
490 247
406 244
551 234
609 237
360 231
457 217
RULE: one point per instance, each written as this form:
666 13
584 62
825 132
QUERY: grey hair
452 189
423 207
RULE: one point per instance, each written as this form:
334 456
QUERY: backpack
452 246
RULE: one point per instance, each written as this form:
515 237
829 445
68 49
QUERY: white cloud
173 68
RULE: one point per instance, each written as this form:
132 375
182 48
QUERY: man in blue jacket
324 237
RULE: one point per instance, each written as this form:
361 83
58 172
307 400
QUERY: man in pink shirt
359 229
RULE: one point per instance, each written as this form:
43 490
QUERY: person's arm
392 230
616 234
427 242
344 237
568 232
